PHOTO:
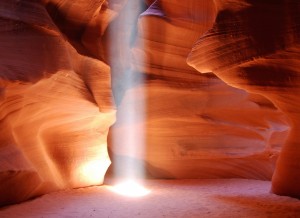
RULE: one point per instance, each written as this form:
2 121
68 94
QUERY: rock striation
254 45
196 89
56 106
195 125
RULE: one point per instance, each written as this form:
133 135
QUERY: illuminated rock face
195 125
254 45
55 107
56 103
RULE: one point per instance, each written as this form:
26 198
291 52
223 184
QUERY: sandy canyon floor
167 198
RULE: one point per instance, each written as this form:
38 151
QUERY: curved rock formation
56 107
254 45
195 125
56 101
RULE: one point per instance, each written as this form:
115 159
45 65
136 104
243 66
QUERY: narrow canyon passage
93 91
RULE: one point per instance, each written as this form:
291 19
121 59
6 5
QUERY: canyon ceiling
210 89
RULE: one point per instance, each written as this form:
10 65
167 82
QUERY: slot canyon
198 100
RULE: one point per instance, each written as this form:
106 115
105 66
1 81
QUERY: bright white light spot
92 172
130 188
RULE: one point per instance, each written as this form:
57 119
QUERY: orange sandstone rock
56 107
195 125
254 45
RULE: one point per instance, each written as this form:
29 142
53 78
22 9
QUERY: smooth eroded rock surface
63 62
254 45
194 125
56 107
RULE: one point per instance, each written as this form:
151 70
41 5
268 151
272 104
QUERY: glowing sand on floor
130 188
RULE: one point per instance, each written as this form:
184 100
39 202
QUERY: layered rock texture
195 125
64 64
254 45
55 105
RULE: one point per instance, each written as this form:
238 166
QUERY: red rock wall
195 125
62 64
254 45
55 107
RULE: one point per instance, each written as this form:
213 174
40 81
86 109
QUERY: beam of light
130 188
128 140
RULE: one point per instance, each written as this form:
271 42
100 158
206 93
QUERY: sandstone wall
254 45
